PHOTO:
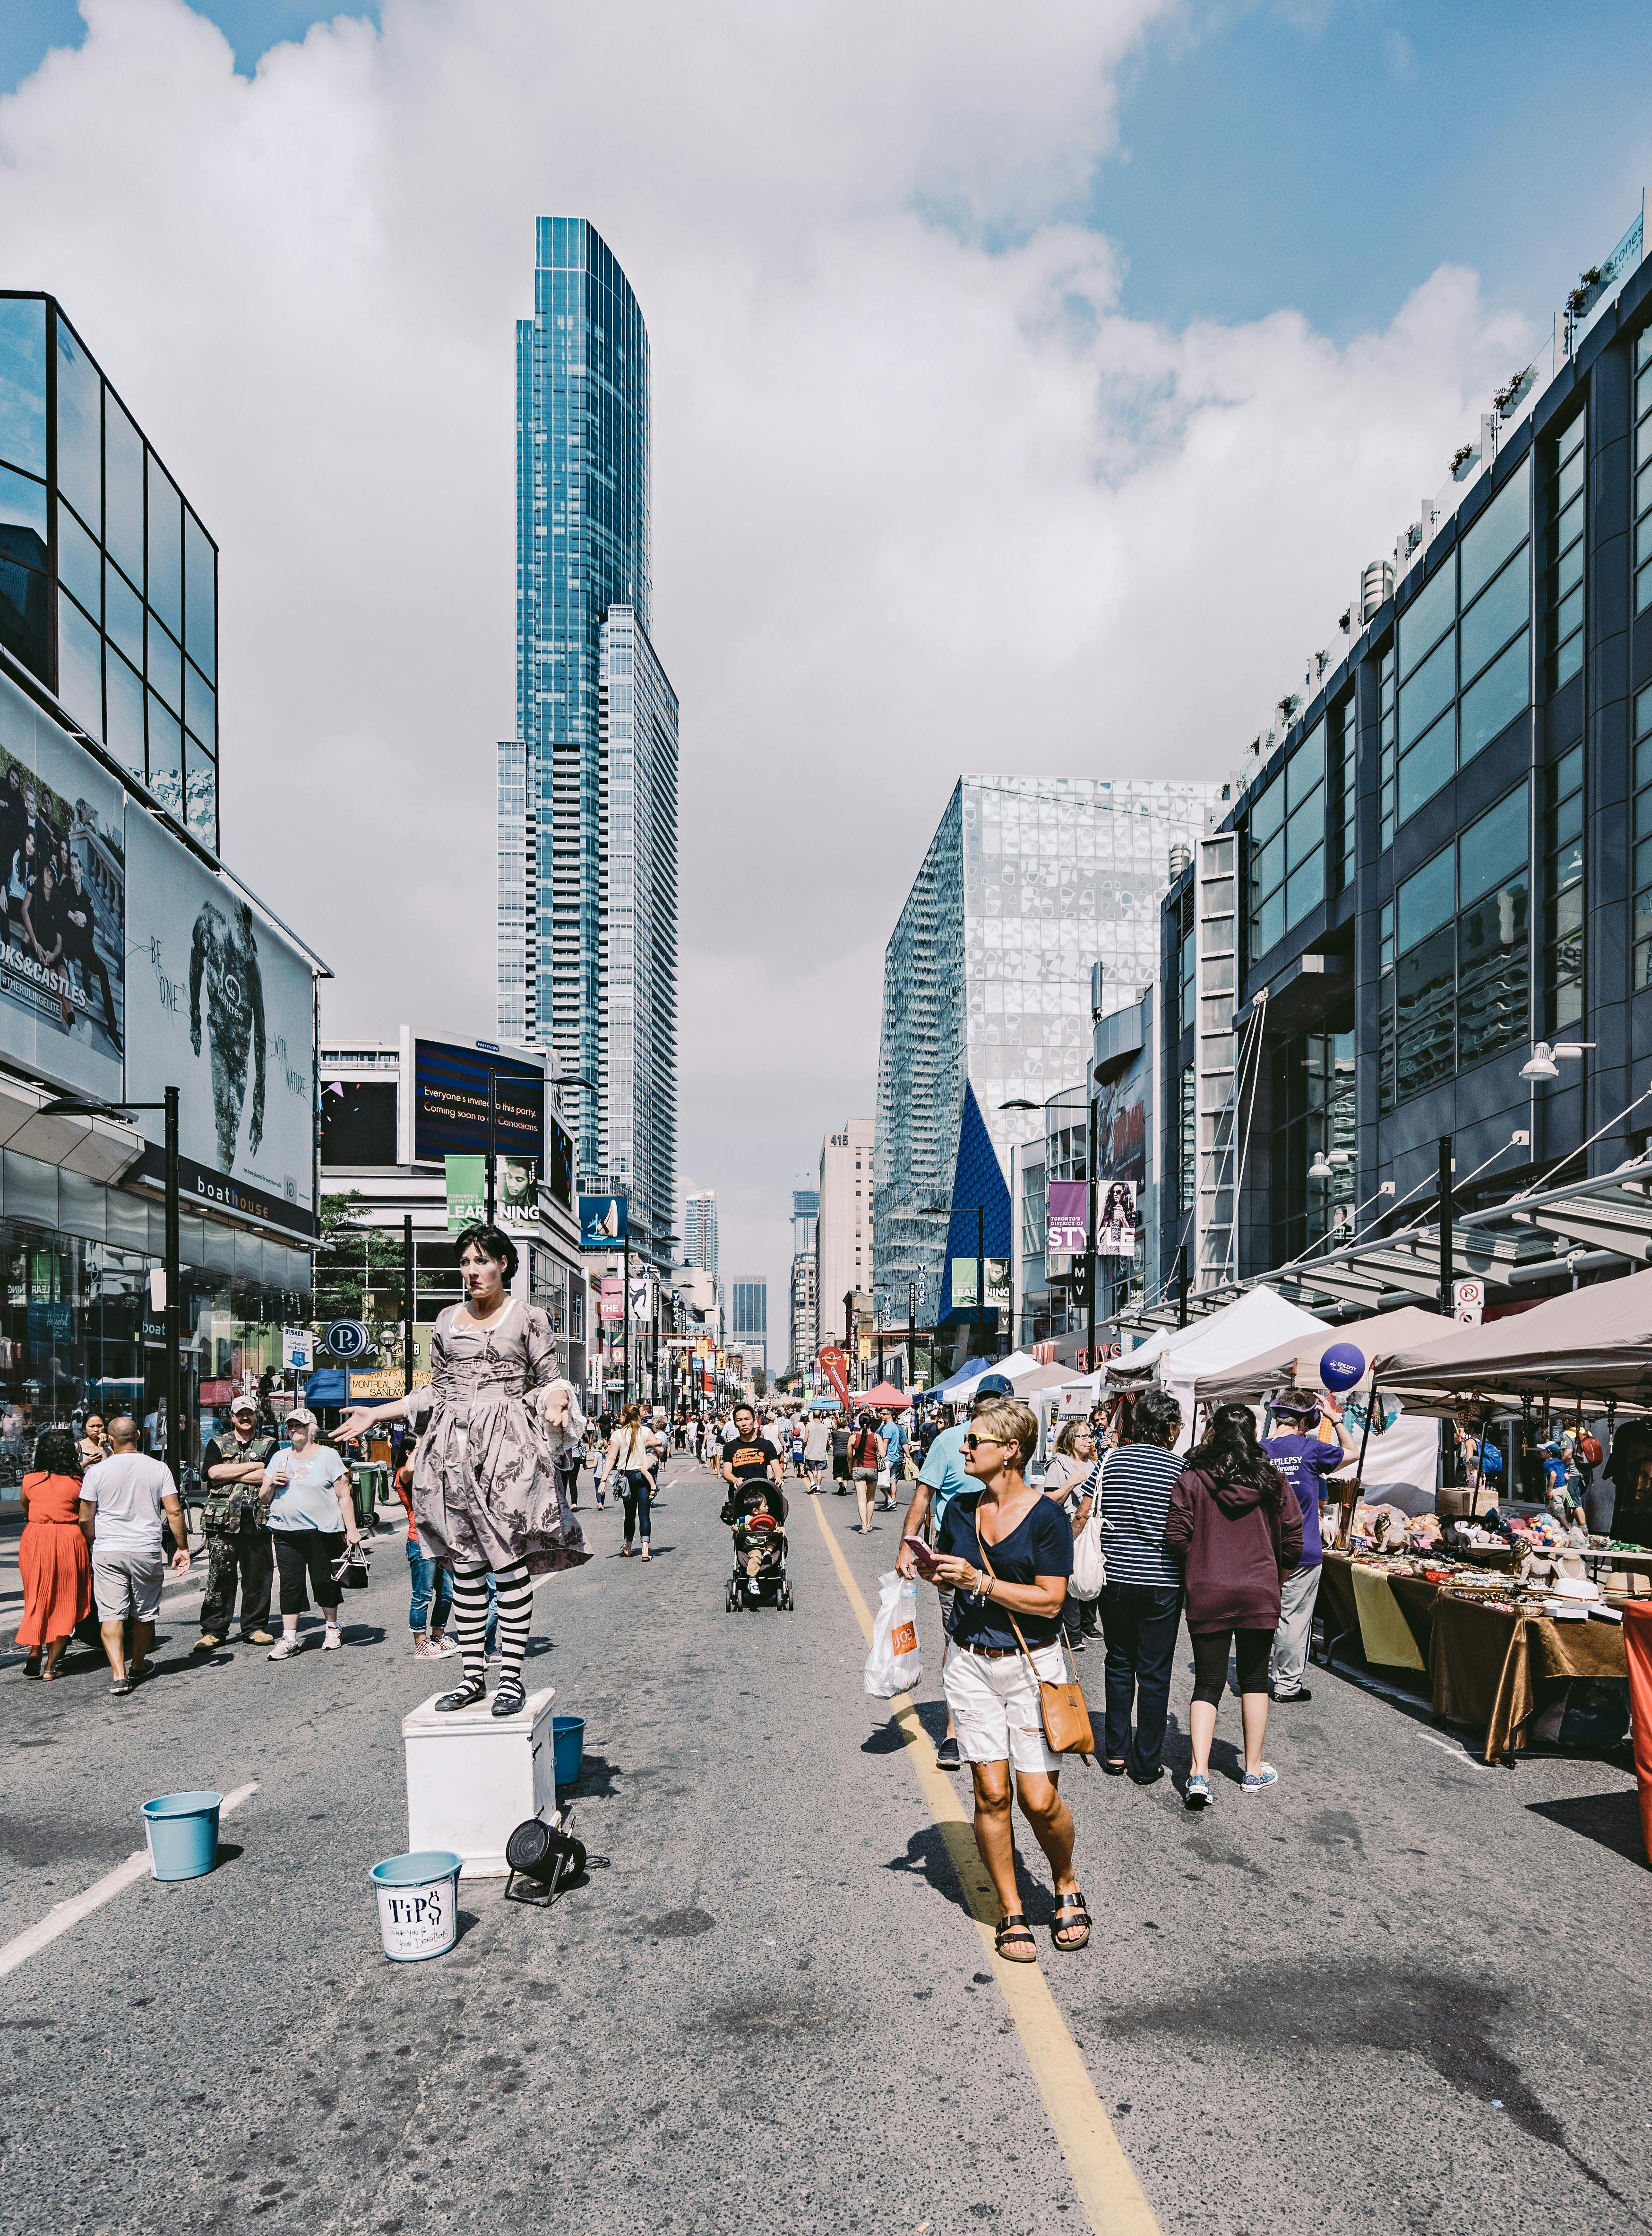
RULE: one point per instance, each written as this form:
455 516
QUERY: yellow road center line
1112 2198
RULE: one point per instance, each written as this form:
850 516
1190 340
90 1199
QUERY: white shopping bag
895 1664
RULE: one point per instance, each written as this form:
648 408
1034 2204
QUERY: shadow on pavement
1613 1819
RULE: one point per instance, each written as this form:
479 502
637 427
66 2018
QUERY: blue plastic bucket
182 1832
418 1904
568 1739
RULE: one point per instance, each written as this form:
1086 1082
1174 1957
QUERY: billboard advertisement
1122 1198
219 1004
63 889
450 1104
963 1284
1068 1226
602 1222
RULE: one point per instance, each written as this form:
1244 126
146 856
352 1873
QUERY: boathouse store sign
151 958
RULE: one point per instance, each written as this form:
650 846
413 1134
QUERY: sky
1029 385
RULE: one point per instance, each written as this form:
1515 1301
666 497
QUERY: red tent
884 1398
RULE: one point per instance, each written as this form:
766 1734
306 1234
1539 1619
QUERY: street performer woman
487 1496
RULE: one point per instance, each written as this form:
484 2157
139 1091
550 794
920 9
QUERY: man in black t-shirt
748 1458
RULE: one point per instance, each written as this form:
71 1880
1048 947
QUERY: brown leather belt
991 1653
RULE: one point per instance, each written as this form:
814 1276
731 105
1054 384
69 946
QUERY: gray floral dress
485 1483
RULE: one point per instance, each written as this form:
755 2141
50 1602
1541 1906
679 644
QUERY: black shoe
1137 1780
1112 1769
947 1754
1301 1694
511 1698
462 1696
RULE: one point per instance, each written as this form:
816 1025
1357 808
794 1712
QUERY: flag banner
1068 1224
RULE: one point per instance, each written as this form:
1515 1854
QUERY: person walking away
1141 1601
842 1435
795 1445
122 1499
237 1538
940 1478
54 1560
431 1597
631 1467
1077 1468
892 1445
312 1518
1006 1551
1236 1521
818 1450
1306 1460
863 1468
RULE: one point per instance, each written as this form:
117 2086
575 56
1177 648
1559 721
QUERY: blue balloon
1341 1366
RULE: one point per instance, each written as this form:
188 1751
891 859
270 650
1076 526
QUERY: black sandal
1015 1928
1069 1911
462 1696
511 1698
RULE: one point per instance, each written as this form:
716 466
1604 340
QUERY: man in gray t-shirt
122 1499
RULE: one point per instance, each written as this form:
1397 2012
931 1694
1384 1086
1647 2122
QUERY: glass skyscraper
1028 881
587 789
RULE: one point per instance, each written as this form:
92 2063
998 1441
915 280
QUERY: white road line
62 1916
1452 1747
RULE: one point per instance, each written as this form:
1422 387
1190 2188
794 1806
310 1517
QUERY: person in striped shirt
1141 1602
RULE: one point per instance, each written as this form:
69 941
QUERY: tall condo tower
587 787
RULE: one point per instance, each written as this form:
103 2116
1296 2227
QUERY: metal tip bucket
418 1904
182 1832
568 1743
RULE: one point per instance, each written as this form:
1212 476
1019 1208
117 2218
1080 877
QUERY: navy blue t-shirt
1305 1462
1040 1545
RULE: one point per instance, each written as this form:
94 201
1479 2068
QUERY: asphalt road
1400 1991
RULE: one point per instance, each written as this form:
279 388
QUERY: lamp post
1020 1102
75 1106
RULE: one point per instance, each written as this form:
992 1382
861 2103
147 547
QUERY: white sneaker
331 1639
285 1648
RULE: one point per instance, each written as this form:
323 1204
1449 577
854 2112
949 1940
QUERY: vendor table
1485 1665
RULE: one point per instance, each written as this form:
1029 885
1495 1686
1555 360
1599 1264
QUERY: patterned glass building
587 956
1027 883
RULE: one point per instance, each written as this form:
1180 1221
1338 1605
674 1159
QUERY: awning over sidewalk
1592 1344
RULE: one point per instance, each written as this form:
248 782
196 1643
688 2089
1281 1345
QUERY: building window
1563 554
1643 828
1387 723
1287 845
1187 1141
1563 886
1343 794
1643 472
1185 952
1313 1108
1453 956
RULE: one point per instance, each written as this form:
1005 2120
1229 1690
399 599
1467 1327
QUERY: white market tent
961 1387
1258 1321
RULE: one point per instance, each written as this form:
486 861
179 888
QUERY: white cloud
922 501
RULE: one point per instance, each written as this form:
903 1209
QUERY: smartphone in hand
922 1554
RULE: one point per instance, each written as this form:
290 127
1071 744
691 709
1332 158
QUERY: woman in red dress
53 1557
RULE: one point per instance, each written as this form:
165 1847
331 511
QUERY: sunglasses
973 1443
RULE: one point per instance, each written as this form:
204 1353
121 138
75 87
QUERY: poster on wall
220 1005
1116 1226
63 891
602 1222
963 1284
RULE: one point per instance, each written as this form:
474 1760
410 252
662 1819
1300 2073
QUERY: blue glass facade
582 530
108 583
1444 856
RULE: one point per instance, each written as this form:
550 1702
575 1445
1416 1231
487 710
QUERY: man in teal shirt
941 1479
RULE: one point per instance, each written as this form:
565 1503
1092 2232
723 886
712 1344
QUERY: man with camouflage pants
238 1537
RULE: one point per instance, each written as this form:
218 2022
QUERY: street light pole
1090 1238
406 1304
171 1317
493 1139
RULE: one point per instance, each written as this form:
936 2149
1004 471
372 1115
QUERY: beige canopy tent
1296 1363
1592 1345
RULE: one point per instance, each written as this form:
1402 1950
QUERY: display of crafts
1542 1570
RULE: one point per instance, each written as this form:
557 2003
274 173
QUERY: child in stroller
759 1546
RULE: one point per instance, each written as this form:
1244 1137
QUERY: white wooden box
472 1776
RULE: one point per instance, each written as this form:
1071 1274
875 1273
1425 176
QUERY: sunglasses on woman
973 1443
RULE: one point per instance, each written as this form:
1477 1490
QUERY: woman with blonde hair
630 1465
1005 1552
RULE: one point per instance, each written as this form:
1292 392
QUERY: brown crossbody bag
1062 1707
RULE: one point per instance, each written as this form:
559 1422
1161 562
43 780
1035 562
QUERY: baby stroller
759 1551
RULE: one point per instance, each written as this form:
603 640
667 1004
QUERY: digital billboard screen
450 1104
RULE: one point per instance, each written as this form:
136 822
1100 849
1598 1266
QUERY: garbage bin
370 1481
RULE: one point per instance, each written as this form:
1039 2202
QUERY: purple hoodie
1235 1551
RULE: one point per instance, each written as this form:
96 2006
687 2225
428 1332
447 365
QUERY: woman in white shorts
991 1691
